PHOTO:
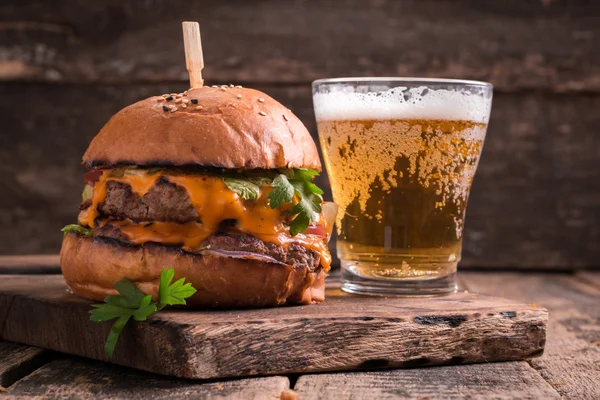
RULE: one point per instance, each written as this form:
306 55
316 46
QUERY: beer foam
402 103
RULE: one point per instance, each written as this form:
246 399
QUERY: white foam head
402 103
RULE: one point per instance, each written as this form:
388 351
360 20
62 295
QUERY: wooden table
570 367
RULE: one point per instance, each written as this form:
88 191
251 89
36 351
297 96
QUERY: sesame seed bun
91 266
227 127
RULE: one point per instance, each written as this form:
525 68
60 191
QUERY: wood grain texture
515 380
515 44
345 332
589 277
30 264
82 379
571 363
535 202
17 361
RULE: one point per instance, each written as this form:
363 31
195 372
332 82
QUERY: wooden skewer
194 60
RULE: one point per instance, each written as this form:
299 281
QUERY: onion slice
240 254
330 211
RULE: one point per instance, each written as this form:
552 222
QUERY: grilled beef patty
295 255
165 202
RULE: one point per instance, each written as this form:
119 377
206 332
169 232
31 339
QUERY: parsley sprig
285 184
133 303
298 182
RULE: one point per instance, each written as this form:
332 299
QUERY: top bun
236 128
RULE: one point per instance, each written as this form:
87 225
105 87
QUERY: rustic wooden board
538 175
345 332
514 43
515 380
17 360
571 363
83 379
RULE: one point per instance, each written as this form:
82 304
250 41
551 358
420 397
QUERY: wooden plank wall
67 66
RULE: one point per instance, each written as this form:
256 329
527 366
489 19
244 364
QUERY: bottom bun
91 266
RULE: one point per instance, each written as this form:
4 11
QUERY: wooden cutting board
345 332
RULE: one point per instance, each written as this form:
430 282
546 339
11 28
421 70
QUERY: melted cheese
214 203
189 235
98 196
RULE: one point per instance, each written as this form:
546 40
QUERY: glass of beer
401 154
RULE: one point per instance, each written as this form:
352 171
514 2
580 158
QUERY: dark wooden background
67 66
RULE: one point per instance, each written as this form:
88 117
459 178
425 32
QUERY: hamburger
214 182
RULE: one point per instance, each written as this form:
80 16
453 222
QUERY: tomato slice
92 176
316 230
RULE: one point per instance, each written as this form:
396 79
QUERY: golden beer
402 185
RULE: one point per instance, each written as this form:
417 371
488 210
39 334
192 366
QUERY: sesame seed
230 85
194 101
173 94
285 117
165 95
262 113
173 109
185 92
183 106
161 99
169 98
178 100
239 96
261 100
223 88
165 108
178 96
185 101
199 108
214 86
238 86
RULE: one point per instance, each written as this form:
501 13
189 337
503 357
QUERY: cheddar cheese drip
214 203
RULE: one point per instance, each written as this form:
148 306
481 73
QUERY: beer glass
401 154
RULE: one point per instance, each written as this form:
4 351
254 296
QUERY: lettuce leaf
78 229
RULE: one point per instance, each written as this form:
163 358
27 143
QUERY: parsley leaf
106 312
305 174
132 302
115 332
297 181
246 189
147 307
176 293
313 188
307 208
300 223
130 294
166 277
283 191
78 229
